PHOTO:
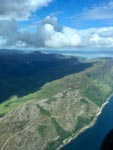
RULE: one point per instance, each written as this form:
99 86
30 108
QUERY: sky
56 24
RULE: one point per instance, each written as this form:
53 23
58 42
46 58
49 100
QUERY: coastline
69 139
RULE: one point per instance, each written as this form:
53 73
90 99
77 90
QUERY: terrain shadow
23 73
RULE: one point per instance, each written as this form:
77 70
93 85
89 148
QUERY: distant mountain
62 98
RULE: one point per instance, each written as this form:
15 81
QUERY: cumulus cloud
50 34
66 38
101 40
20 9
8 32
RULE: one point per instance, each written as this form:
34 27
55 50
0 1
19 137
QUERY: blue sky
56 24
68 12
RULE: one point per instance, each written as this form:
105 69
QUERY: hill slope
44 119
23 73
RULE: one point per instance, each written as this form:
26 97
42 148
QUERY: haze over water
84 53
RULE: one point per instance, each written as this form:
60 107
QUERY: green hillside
48 117
23 73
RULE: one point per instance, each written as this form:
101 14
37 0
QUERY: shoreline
69 139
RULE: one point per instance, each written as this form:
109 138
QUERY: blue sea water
92 138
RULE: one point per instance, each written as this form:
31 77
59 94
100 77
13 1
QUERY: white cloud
50 34
20 9
97 12
98 37
101 41
66 38
2 42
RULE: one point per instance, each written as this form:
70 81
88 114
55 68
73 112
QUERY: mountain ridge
58 110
